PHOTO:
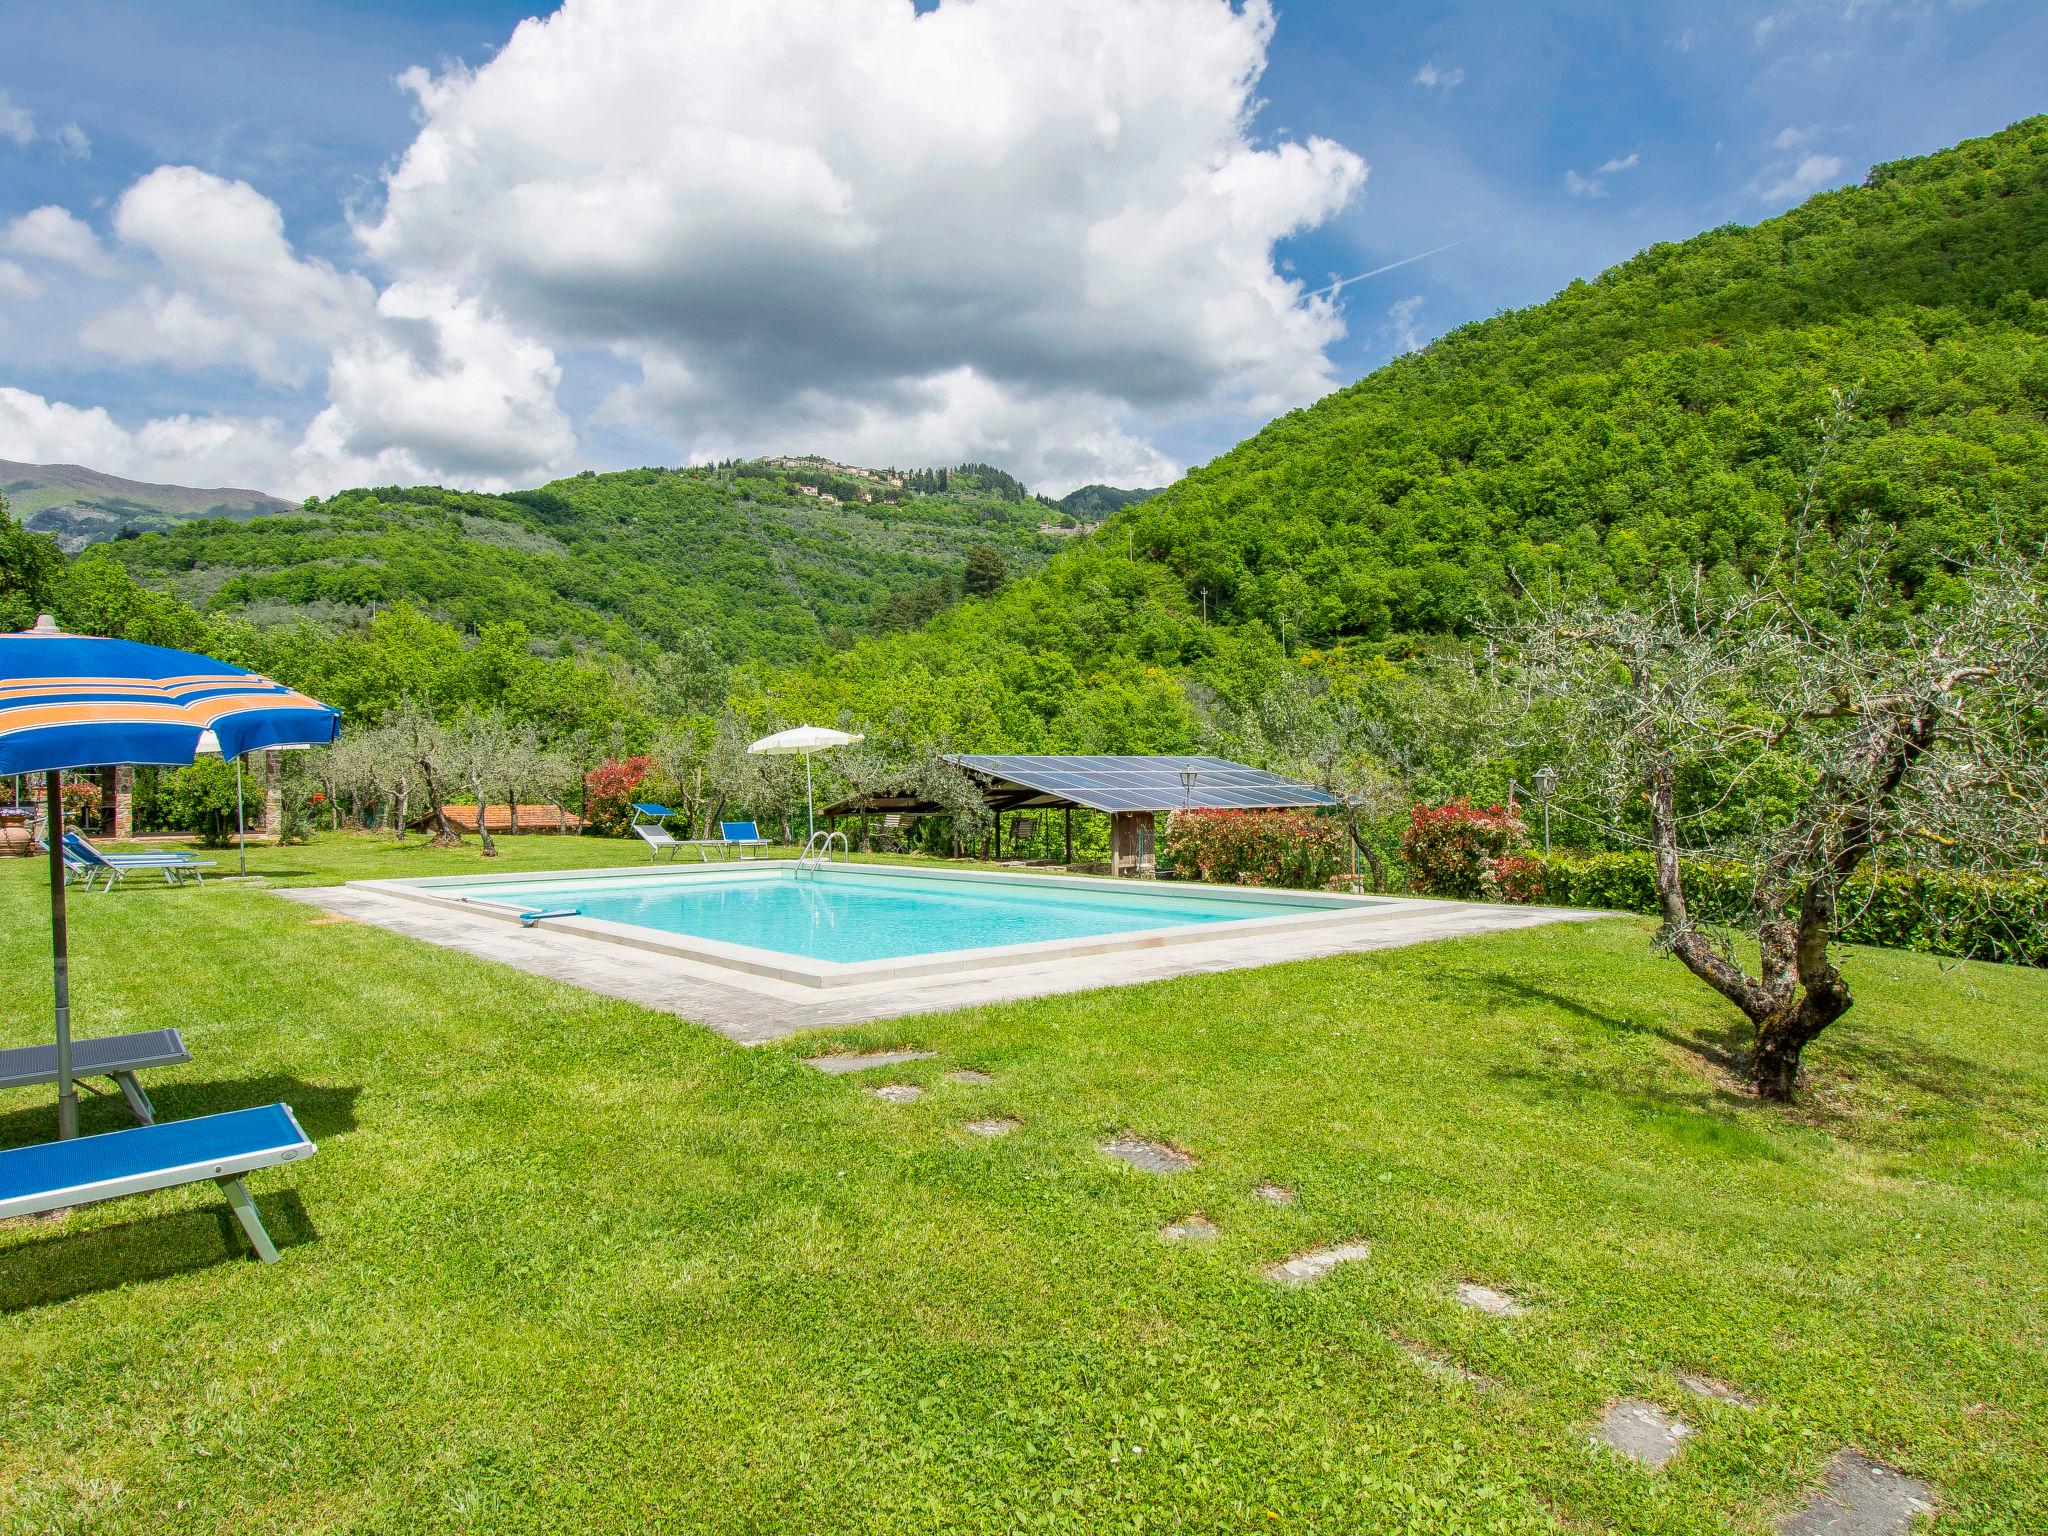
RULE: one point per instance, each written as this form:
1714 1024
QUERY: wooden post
1130 842
999 836
1070 834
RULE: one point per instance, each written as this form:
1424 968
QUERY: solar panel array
1148 783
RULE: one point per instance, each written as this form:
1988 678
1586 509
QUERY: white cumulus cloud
844 219
1035 232
229 289
56 234
1811 174
1435 77
1594 183
1400 327
16 282
16 122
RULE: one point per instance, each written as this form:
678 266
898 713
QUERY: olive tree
1891 741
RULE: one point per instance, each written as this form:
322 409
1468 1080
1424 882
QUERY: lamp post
1545 787
1187 785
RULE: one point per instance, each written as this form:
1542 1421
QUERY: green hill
759 560
77 506
1662 415
1093 503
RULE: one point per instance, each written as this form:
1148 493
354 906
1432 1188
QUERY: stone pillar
273 793
117 787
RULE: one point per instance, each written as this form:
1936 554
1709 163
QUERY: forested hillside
745 561
1665 413
1669 413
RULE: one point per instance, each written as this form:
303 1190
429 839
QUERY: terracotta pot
15 838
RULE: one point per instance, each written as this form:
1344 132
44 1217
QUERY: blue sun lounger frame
740 836
55 1175
81 858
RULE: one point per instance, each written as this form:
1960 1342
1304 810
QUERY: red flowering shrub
1517 877
1295 849
1456 849
609 792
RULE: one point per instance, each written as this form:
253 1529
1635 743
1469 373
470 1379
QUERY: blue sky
1548 142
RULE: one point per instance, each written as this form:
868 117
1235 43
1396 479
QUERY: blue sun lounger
57 1174
740 836
81 858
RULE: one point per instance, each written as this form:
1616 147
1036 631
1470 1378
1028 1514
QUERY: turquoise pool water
849 917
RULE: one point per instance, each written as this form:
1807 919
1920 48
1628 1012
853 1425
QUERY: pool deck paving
753 1010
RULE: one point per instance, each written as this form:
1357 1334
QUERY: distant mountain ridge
78 506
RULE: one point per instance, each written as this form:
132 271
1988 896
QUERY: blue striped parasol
78 701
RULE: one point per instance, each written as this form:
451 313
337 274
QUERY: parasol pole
241 836
810 816
60 956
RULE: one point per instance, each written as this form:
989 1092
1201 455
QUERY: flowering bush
80 796
1458 849
1516 877
610 790
1295 849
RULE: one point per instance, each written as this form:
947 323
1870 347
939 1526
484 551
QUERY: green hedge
1977 917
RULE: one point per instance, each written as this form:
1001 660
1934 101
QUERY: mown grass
566 1264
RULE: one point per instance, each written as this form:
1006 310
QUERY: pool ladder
818 850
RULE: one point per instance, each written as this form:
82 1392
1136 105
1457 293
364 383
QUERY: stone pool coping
751 1008
1315 909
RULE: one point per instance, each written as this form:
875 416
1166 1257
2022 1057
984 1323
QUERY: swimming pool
850 922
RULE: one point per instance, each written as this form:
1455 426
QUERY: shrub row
1296 849
1976 917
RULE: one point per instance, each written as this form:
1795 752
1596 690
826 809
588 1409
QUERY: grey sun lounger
658 838
54 1175
117 1056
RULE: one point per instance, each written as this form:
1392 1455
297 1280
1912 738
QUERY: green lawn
565 1264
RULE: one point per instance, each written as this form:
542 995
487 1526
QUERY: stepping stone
1317 1262
1640 1429
1190 1229
1274 1194
1861 1497
898 1093
1485 1298
991 1128
1719 1391
839 1065
1148 1156
1441 1365
968 1075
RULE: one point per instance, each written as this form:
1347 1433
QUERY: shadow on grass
69 1264
1843 1054
1725 1050
322 1109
